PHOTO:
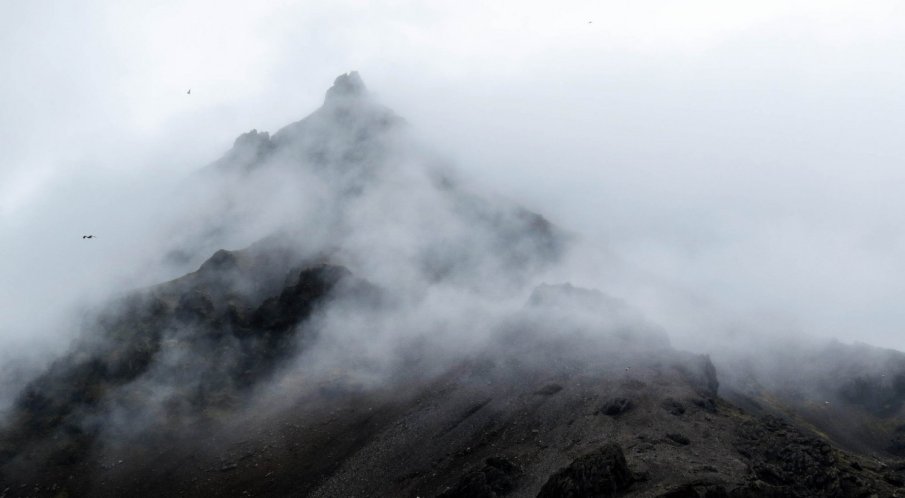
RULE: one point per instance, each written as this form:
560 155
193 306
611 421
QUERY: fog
514 195
727 167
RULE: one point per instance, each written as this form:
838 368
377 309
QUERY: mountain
391 332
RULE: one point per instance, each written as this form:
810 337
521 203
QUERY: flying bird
189 92
88 236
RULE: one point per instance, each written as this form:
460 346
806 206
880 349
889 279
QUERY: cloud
727 174
745 154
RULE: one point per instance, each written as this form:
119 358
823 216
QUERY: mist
724 168
382 219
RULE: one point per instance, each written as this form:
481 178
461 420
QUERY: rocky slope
399 342
854 394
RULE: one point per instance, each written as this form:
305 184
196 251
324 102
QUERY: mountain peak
346 86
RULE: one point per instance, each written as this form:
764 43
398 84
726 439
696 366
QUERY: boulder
602 473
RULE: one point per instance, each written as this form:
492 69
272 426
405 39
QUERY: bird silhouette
88 236
189 92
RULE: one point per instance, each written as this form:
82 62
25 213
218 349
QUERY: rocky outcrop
603 473
249 150
616 406
784 461
347 141
853 393
346 86
702 374
498 477
221 351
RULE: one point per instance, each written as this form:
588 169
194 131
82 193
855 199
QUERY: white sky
750 152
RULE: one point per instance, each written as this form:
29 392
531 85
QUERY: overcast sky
749 152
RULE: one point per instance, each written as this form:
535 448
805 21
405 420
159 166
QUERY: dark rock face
349 85
616 406
895 478
706 404
853 393
673 406
697 489
496 478
786 462
479 429
249 149
897 442
601 473
881 396
702 374
297 301
679 439
231 350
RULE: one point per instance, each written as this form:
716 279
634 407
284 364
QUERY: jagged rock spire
346 86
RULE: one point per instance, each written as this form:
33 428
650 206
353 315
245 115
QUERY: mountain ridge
402 341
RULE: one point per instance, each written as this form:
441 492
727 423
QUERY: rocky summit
405 334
